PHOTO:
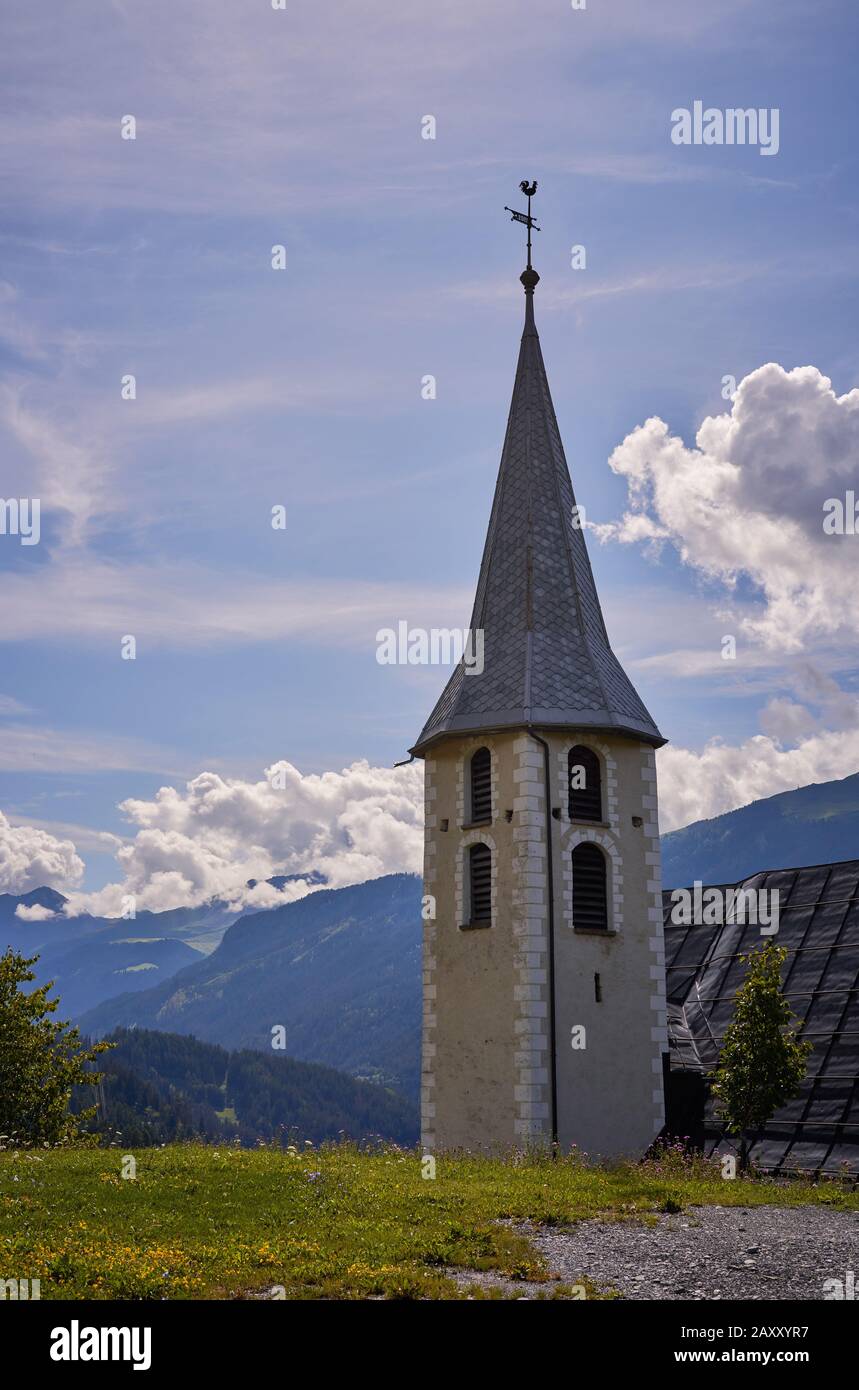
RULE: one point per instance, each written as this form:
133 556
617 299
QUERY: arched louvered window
585 780
590 896
480 882
481 787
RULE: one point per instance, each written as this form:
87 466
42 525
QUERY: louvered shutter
481 786
480 869
585 801
590 902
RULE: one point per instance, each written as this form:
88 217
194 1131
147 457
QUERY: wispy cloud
30 748
216 87
85 838
10 706
166 605
71 474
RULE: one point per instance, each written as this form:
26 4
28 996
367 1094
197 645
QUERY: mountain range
339 969
817 824
91 959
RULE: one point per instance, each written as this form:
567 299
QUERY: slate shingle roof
819 926
547 658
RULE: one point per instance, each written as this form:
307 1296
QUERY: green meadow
333 1222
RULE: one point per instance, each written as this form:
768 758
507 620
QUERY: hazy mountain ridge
338 969
817 824
91 959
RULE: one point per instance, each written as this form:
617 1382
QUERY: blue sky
301 387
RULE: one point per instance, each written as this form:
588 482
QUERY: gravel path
709 1253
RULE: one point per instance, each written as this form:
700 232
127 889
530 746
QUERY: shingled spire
547 661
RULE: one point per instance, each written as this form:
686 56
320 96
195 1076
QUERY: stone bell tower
544 971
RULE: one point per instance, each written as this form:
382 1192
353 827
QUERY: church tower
544 971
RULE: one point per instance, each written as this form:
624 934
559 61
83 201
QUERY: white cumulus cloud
207 840
748 502
698 785
31 858
35 912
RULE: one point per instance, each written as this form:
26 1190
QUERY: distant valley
338 969
91 959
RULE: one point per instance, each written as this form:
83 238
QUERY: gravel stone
708 1253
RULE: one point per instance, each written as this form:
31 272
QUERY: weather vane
529 189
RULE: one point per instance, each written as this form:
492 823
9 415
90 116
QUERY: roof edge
503 721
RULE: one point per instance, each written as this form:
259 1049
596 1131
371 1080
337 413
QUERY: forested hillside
339 970
811 825
161 1087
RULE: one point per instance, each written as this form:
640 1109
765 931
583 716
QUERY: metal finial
529 189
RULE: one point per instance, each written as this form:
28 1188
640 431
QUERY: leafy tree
762 1063
41 1059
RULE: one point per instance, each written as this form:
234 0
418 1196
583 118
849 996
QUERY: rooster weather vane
529 189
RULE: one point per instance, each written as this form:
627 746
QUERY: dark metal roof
547 658
819 925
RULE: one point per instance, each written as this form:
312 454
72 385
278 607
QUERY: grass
335 1222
